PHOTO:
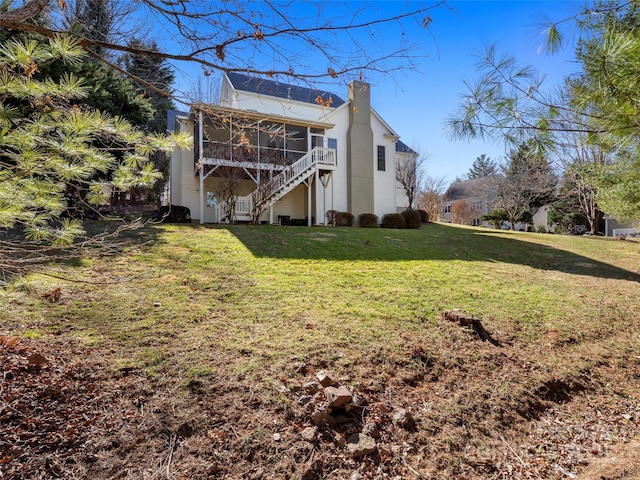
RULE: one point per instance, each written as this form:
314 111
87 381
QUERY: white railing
255 203
243 207
630 232
295 171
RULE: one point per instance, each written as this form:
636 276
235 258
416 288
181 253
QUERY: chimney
360 161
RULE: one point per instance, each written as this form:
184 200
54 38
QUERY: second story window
381 158
447 208
332 143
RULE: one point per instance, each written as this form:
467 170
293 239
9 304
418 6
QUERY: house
615 228
465 201
278 153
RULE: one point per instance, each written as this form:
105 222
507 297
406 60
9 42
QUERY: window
447 208
476 222
381 158
476 205
332 143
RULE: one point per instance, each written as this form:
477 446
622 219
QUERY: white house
282 152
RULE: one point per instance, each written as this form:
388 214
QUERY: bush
331 217
173 214
411 219
368 220
344 219
393 220
542 229
424 216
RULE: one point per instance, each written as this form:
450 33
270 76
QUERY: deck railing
254 204
249 153
291 176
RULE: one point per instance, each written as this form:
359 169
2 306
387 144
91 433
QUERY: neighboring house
466 201
289 153
614 228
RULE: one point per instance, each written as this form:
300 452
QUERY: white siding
275 106
384 182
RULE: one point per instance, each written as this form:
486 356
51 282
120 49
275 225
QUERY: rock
304 399
402 418
338 396
321 417
360 444
300 367
385 452
371 429
326 379
359 401
312 387
276 437
356 402
310 434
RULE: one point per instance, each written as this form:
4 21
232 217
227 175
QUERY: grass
237 298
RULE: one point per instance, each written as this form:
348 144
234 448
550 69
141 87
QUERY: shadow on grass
431 242
111 238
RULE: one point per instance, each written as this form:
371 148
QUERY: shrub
344 219
424 216
331 217
411 219
393 220
173 214
542 229
368 220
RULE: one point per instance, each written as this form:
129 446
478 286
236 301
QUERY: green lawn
270 292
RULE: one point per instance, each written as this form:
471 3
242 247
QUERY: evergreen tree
600 105
156 77
482 166
48 141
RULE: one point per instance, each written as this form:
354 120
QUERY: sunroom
266 156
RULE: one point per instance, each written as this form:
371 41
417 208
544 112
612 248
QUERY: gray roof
281 90
404 148
171 118
476 187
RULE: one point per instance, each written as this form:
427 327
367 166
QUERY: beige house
467 200
276 153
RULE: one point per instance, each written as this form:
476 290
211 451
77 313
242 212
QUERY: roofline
391 130
258 93
254 115
288 100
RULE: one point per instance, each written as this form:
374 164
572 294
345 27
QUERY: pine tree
482 166
49 141
156 77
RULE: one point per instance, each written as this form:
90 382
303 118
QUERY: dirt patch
471 410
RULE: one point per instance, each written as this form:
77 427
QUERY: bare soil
478 410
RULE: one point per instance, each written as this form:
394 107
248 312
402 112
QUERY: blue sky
420 102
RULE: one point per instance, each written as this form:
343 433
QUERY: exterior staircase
253 205
267 194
